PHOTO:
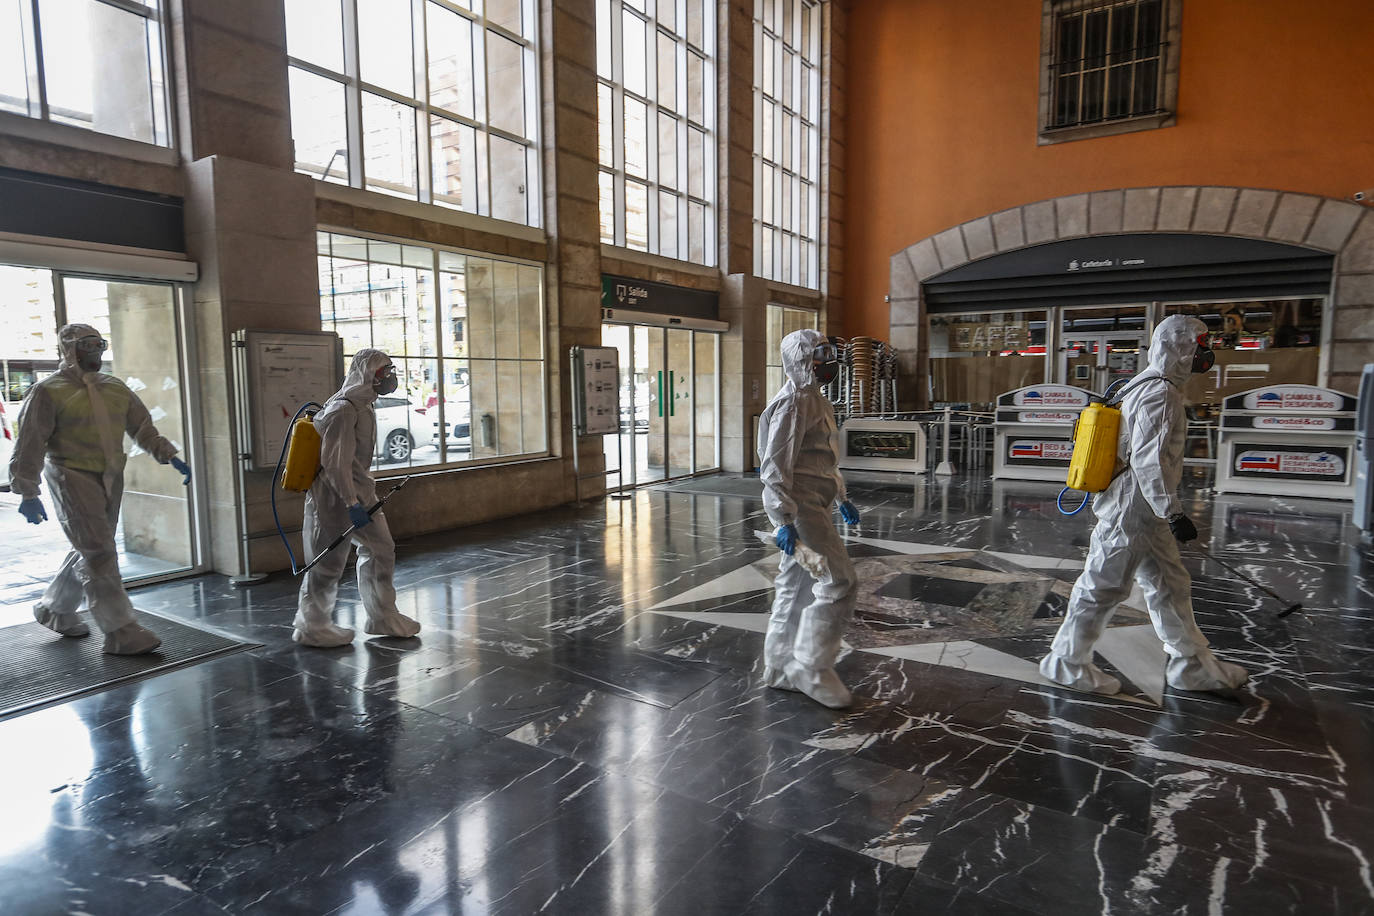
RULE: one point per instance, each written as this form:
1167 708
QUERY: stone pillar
834 108
743 297
572 217
743 368
250 224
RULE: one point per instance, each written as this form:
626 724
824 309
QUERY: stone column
572 217
743 297
834 108
250 224
743 368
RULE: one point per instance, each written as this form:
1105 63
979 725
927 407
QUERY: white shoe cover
131 639
328 636
775 678
66 624
397 624
825 687
1204 671
1088 678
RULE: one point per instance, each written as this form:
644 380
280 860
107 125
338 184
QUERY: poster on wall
1290 462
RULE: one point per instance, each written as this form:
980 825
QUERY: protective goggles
1203 357
825 353
92 345
386 372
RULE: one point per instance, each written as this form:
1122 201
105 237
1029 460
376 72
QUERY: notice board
280 371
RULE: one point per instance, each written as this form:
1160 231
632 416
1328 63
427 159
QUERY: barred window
1108 62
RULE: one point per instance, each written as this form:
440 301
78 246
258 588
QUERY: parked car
398 421
6 446
458 419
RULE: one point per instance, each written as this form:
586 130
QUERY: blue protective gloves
357 514
786 539
184 468
849 513
32 509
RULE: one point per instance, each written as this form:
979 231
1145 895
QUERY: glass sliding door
669 403
156 534
677 402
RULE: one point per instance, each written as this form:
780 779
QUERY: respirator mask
90 352
1203 357
825 363
384 381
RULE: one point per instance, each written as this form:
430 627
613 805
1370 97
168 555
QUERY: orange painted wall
943 99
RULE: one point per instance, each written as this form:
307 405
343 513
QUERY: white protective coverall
1132 538
72 426
348 437
799 447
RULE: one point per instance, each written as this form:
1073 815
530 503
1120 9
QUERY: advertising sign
1057 417
1299 424
1294 398
865 443
1291 462
1040 452
1038 396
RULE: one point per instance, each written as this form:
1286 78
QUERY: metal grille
1108 61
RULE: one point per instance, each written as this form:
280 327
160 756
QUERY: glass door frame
189 368
631 460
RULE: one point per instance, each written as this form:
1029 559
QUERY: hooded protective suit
348 439
1132 538
72 426
799 447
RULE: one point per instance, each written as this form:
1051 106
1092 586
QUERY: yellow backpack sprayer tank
1094 448
302 455
1092 467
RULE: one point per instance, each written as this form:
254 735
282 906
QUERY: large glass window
975 358
783 320
787 84
433 101
96 64
656 104
1268 342
466 333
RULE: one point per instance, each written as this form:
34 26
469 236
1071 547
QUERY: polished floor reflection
581 729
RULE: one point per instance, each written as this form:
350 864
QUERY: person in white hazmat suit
338 498
798 444
1140 523
71 428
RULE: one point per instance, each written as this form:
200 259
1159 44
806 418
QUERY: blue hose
276 476
1060 502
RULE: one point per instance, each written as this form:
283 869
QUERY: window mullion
353 99
36 29
419 55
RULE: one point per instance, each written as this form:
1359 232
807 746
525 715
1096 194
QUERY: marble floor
581 729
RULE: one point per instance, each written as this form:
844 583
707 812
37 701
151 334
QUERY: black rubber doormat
42 668
717 485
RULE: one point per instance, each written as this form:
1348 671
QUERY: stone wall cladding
1340 227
